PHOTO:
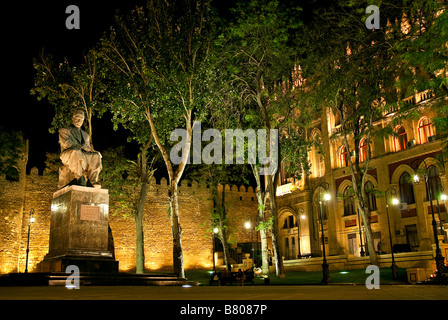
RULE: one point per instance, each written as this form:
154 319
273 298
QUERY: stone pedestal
79 231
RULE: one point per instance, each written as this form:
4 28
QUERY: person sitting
223 278
240 277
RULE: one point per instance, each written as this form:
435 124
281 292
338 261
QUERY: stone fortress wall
34 191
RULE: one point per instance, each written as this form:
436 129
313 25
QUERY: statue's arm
87 146
66 140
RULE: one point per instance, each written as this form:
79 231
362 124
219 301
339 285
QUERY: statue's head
78 118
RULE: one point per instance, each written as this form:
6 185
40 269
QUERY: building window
424 130
289 222
406 189
316 157
320 164
337 119
349 203
363 150
286 249
371 199
343 157
401 139
285 176
434 182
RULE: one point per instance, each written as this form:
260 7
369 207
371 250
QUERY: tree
354 76
128 183
68 88
232 112
158 56
260 55
13 149
422 53
217 176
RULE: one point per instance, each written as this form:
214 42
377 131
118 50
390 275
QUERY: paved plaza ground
290 292
298 294
229 302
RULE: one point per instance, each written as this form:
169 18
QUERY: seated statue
82 164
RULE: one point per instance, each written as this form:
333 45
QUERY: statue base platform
87 264
79 232
93 279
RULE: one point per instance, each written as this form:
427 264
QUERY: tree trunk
221 207
174 177
262 219
176 231
279 269
140 208
264 251
272 188
140 245
223 238
358 174
140 266
365 216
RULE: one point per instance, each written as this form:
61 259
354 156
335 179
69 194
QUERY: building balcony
418 98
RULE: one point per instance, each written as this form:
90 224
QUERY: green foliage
422 53
68 88
122 177
350 69
52 165
256 44
265 225
12 146
422 49
157 57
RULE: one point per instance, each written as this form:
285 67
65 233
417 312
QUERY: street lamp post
442 197
438 258
30 221
394 202
326 197
301 217
362 253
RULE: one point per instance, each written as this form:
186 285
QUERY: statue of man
82 163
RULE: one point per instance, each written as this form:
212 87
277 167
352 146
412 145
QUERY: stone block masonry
195 202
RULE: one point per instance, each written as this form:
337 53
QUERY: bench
231 277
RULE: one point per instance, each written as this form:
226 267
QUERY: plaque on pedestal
79 231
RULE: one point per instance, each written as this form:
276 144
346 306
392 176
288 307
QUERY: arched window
425 130
401 139
349 203
363 150
371 199
343 157
289 222
434 182
406 189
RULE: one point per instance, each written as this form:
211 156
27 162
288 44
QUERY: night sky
29 26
